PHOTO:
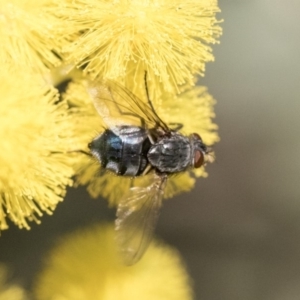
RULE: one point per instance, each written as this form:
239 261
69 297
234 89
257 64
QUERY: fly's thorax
171 153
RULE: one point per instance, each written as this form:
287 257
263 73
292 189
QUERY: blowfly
138 142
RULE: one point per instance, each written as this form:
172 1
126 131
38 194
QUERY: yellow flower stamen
26 35
118 39
36 132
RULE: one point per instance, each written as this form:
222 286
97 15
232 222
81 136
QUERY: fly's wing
137 215
118 106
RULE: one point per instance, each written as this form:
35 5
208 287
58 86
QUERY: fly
138 142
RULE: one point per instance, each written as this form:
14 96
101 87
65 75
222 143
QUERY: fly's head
200 152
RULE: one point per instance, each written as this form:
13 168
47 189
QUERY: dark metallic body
171 154
130 152
124 154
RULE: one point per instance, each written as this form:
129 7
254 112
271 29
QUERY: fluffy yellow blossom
26 35
9 291
193 108
123 38
86 265
36 132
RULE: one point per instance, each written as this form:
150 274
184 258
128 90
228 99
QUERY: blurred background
238 230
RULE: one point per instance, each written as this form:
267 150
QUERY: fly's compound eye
198 158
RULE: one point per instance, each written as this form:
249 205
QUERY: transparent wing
118 106
137 215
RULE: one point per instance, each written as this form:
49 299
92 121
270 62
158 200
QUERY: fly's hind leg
76 151
151 138
177 126
147 170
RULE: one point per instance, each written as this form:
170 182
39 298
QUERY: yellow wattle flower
193 108
26 35
86 265
10 291
36 132
123 38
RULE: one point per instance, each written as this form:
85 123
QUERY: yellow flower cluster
9 291
27 38
123 38
40 131
36 132
87 265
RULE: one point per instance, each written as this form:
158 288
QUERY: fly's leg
177 127
147 93
150 102
151 138
74 151
150 134
147 170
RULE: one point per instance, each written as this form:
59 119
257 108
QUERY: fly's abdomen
122 151
171 154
